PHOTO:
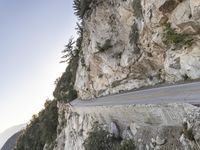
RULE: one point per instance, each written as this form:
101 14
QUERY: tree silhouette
80 7
69 51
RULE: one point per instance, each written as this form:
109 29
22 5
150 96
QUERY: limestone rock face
123 46
150 126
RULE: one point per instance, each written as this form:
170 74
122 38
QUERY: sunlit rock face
129 44
123 46
151 127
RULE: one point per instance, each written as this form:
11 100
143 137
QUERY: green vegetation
83 61
41 130
79 29
134 38
134 35
80 7
105 46
43 127
127 145
64 90
69 51
100 75
100 139
172 37
188 132
137 7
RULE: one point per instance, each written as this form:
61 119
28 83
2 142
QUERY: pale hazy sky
32 35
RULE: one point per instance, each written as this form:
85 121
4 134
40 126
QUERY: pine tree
80 7
69 51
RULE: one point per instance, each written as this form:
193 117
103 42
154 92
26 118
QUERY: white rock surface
123 48
114 130
123 45
162 123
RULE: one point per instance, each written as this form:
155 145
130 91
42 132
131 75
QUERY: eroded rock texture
160 127
123 45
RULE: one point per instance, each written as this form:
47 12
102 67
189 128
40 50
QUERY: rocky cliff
129 44
124 45
153 127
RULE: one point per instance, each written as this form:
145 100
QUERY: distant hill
4 136
11 142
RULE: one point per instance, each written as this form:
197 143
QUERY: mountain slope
4 136
125 45
10 143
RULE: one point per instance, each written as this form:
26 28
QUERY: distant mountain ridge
4 136
11 142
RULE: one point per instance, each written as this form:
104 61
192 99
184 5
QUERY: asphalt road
181 93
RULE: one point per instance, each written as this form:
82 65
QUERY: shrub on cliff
100 139
41 130
127 145
64 90
69 51
172 37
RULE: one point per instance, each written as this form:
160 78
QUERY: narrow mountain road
181 93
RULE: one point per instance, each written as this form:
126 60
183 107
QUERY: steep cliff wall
123 45
151 126
128 44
